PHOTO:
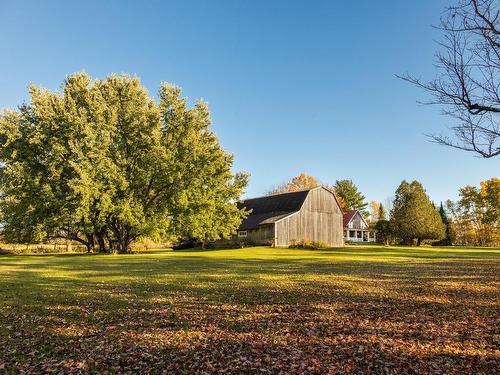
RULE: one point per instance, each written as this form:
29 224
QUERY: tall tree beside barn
102 163
413 216
354 200
203 204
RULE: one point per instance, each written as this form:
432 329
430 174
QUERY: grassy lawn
263 310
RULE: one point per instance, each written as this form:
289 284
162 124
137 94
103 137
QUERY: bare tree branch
467 85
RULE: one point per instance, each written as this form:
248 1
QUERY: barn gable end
319 219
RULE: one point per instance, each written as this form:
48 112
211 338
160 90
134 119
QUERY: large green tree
103 164
413 215
352 197
206 190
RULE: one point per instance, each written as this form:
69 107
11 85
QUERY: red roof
348 216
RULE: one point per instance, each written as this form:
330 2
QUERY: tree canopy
103 164
413 215
300 182
475 218
351 196
381 213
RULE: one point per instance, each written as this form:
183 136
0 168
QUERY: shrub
308 244
40 248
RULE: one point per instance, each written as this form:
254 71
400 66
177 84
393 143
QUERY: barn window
242 233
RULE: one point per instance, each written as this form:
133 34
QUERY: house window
242 234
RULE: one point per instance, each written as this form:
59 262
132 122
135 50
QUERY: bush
40 248
188 243
308 244
235 244
148 244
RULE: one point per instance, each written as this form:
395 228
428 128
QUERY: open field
263 310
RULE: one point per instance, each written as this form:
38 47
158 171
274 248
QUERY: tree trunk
101 242
419 241
90 242
122 237
125 246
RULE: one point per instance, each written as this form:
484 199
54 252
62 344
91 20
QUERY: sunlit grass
364 307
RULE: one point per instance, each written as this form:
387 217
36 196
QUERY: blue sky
293 86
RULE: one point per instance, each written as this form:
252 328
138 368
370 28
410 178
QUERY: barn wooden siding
264 235
320 219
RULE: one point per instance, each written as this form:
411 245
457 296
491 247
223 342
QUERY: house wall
320 219
357 222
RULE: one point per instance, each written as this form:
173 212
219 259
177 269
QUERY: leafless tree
468 81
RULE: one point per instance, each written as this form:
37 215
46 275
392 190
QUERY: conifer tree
448 238
414 216
354 200
381 213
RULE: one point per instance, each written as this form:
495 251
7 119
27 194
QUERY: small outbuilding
288 218
356 229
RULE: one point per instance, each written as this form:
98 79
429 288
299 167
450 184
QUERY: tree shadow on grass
153 312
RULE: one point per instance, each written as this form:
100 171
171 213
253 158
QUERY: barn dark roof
267 210
348 216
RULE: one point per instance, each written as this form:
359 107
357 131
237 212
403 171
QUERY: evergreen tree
448 239
352 197
381 213
414 216
384 231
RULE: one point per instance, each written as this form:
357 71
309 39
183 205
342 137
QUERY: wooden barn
288 218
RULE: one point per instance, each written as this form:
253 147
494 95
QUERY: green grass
358 308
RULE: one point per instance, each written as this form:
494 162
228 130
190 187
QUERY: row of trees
104 164
473 220
413 217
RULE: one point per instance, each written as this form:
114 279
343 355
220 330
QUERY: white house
356 229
